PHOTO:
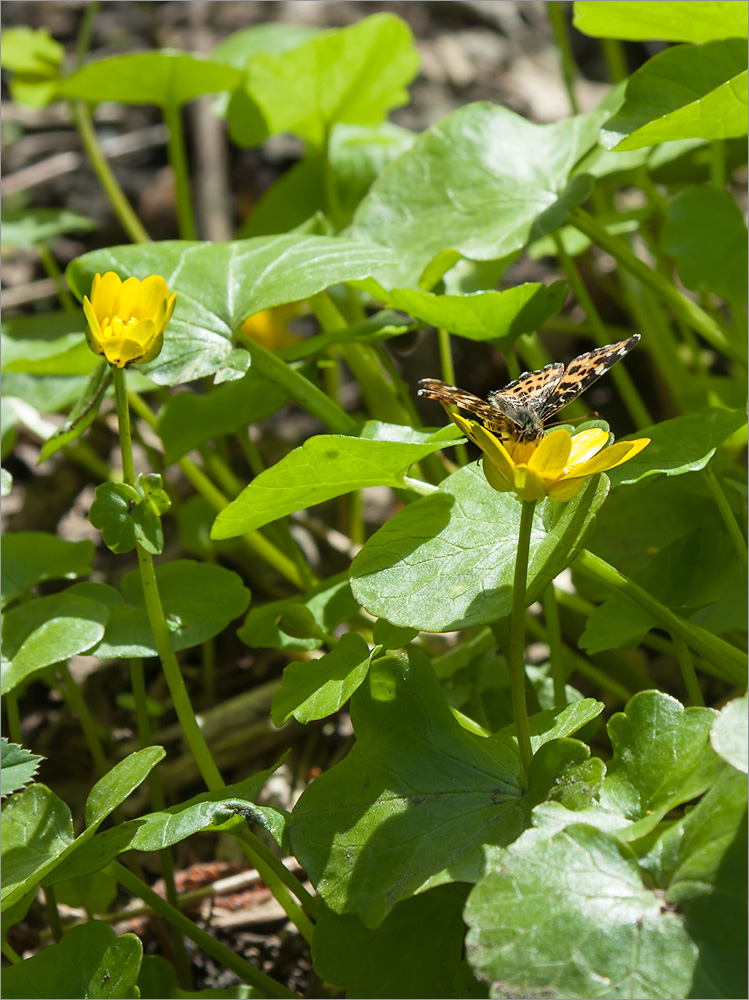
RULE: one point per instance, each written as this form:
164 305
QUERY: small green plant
543 654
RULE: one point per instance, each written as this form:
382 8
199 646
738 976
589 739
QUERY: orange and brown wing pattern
434 388
582 372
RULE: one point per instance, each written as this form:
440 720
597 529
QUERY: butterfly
521 409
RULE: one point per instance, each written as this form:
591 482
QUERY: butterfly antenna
595 415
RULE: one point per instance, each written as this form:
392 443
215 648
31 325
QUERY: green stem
243 969
729 519
517 635
615 59
556 645
178 162
14 718
275 875
718 164
683 307
122 207
631 397
332 201
156 794
74 697
53 914
728 659
686 666
83 40
557 17
53 271
13 957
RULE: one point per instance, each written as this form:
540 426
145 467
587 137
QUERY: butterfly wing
582 372
490 415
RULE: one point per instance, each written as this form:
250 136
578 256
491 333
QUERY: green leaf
37 827
165 78
447 561
667 20
190 419
199 601
569 916
35 58
706 234
275 37
114 787
330 603
318 688
682 93
324 467
113 513
219 285
701 861
29 557
29 226
416 787
682 444
89 961
82 414
662 758
390 637
380 962
434 197
19 766
94 893
354 75
48 630
729 734
495 316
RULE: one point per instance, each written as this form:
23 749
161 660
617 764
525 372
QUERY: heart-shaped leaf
28 557
670 21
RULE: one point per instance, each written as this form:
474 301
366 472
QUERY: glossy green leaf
89 961
414 796
275 37
29 557
381 325
164 78
569 916
94 893
447 561
330 603
729 737
665 20
124 518
662 758
434 197
189 419
496 316
37 828
684 92
706 234
19 766
29 226
199 601
48 630
702 862
682 444
318 688
356 156
324 467
372 963
354 75
34 58
219 285
390 637
114 787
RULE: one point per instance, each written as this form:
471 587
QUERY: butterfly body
520 410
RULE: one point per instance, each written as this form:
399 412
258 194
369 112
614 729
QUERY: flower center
116 327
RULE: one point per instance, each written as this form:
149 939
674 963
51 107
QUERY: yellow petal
527 484
465 426
566 489
152 298
142 333
105 297
520 451
129 299
609 458
493 448
549 458
495 478
585 445
120 351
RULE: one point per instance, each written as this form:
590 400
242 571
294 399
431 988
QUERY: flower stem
687 671
50 266
178 162
243 969
683 307
517 635
557 16
273 872
556 645
74 697
727 514
122 207
727 658
638 411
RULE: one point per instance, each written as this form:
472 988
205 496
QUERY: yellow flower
126 319
557 465
270 327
